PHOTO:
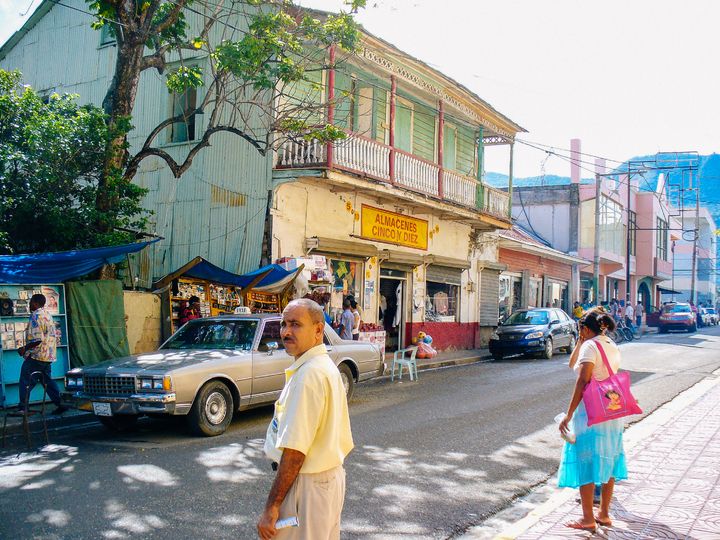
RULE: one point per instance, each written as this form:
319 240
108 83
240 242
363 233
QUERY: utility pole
627 240
695 241
596 249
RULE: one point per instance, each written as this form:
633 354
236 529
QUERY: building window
106 36
632 224
662 239
184 104
612 228
441 301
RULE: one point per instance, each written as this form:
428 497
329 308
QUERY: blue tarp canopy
62 265
199 268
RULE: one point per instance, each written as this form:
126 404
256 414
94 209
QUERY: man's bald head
316 313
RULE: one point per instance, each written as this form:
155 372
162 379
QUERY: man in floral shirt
39 353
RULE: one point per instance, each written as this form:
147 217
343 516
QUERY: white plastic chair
400 359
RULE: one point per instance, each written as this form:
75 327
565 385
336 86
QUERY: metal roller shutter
443 274
489 291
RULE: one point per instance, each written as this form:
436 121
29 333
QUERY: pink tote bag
611 398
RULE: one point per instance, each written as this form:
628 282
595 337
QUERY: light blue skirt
597 454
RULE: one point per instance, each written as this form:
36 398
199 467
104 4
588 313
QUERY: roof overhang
545 252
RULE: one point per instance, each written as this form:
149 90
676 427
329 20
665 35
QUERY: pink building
565 217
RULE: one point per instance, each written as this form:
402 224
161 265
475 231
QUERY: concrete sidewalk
444 359
673 485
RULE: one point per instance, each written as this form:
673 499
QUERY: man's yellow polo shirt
312 412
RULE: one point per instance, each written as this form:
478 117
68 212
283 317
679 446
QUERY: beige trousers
317 501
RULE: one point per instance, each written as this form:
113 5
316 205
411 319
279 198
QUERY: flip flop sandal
581 527
603 522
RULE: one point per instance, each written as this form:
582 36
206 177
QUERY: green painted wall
465 159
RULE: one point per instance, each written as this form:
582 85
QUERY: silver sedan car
207 370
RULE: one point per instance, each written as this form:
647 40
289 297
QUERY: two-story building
399 205
397 212
681 253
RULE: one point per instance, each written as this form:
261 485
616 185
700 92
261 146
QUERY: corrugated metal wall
216 209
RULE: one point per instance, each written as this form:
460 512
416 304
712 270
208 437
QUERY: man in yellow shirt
309 434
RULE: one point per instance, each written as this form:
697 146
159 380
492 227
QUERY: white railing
368 157
460 188
496 202
363 155
416 174
301 154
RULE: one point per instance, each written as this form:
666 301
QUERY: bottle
569 436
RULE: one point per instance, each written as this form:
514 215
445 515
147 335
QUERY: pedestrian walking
39 352
597 456
309 436
630 316
639 311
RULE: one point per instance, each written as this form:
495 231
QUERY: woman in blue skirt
597 456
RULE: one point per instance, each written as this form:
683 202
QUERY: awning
199 268
665 290
60 266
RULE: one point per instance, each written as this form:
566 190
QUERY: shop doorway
392 310
645 297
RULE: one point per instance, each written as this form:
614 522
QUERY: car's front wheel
120 422
549 348
693 328
212 410
347 379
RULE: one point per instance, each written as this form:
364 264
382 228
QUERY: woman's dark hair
597 321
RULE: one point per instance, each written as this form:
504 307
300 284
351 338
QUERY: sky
626 77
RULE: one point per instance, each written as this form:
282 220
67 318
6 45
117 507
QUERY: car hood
161 361
521 328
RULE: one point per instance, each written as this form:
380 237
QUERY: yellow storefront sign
391 228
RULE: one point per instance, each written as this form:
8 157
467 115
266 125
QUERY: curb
633 435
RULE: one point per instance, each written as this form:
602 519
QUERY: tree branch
179 169
170 19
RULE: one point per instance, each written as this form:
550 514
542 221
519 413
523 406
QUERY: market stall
24 275
265 290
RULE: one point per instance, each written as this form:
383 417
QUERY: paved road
432 457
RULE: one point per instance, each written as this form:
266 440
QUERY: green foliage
52 155
269 52
183 78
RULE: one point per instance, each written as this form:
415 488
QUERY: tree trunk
118 104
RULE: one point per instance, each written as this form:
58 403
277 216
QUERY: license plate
102 409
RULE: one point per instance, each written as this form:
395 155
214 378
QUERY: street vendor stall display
265 290
14 316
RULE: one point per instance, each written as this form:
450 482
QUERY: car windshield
677 308
710 310
527 317
208 334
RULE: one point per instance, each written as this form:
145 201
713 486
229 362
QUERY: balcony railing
367 157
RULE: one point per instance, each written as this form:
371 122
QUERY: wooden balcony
368 158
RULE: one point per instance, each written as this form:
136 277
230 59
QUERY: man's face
298 332
34 306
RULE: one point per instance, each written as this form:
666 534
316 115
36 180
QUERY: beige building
397 214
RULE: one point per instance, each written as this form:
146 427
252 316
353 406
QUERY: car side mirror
554 322
272 346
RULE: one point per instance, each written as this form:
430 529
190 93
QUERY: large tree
255 55
52 162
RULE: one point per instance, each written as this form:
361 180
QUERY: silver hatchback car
207 370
